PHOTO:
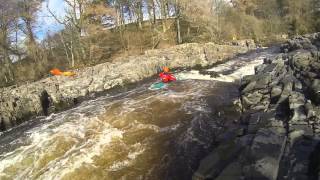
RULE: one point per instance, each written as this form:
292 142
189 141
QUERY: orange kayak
57 72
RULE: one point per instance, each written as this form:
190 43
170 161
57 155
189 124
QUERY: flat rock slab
211 166
265 154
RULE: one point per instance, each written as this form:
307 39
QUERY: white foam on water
247 69
193 74
42 139
137 149
238 68
169 128
83 154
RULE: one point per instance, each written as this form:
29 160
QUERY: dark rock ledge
18 104
281 120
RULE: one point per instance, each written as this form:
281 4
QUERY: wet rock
269 68
276 91
249 43
299 42
256 121
263 81
251 99
259 68
211 166
302 60
267 61
265 154
211 73
312 75
315 65
310 110
260 82
263 105
315 88
298 86
248 88
286 129
297 159
232 172
301 130
296 100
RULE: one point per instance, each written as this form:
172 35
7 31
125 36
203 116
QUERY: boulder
276 91
298 86
251 99
249 87
258 69
269 68
263 105
315 89
296 104
296 100
302 60
299 42
260 82
263 81
287 89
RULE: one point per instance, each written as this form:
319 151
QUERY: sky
46 24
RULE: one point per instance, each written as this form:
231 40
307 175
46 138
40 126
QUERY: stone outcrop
18 104
281 118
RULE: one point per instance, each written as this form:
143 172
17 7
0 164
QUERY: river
137 134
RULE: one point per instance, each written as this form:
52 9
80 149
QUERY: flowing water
138 134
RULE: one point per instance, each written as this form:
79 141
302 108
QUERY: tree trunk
140 14
29 31
163 15
123 23
5 46
177 9
72 53
149 5
65 48
154 12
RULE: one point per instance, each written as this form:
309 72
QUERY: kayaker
166 76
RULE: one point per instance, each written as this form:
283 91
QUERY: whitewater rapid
138 134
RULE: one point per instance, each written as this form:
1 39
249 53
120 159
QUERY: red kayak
166 77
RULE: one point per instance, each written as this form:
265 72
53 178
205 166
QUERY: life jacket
166 77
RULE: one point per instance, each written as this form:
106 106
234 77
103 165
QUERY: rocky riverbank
18 104
279 130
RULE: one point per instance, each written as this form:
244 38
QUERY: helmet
165 69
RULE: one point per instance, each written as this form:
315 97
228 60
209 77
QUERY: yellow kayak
68 73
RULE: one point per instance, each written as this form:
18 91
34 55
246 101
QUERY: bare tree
28 10
8 21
